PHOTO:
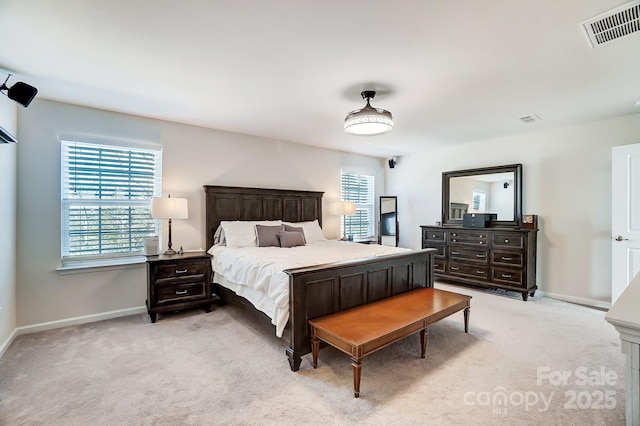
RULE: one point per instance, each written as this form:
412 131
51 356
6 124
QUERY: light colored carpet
217 369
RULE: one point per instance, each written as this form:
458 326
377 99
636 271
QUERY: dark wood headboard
238 203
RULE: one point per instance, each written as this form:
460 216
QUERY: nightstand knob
181 271
182 292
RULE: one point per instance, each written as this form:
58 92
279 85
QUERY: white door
625 217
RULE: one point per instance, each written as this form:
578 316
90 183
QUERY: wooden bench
363 330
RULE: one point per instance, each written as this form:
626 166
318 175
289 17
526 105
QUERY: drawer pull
481 243
506 275
506 241
454 268
506 258
433 236
454 234
455 253
454 240
181 271
182 292
481 256
480 272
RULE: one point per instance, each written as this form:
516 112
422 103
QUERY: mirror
388 223
485 190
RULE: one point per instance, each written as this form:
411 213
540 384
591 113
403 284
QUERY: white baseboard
5 345
79 320
578 300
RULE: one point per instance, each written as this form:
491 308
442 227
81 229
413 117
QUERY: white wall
192 157
8 120
566 181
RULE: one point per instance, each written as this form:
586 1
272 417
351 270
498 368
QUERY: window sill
81 267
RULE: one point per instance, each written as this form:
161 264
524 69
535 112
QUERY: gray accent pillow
291 239
290 228
268 235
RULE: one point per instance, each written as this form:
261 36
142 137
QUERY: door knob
619 238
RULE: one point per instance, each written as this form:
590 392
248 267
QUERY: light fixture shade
169 208
346 208
368 121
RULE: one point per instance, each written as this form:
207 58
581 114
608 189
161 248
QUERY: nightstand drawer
180 292
178 270
176 282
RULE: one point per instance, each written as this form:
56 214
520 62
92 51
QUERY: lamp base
169 252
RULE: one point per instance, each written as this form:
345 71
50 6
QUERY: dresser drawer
511 277
174 293
179 270
439 265
468 254
508 241
440 249
507 258
433 235
469 238
478 272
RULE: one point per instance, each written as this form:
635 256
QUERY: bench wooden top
363 324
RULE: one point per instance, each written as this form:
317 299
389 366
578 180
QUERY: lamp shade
169 208
368 121
346 208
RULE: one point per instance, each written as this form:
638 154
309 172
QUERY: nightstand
176 282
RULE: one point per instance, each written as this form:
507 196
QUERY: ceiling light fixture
368 121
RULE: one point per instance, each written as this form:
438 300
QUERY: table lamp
345 208
169 208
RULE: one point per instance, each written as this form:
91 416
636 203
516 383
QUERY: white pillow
312 230
218 237
242 233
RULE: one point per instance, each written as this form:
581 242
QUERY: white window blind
359 188
479 201
106 195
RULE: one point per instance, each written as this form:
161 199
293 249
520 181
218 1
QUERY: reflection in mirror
489 193
388 221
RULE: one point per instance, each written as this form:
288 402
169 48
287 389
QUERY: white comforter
256 272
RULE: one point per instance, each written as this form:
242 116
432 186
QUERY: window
358 188
106 192
479 201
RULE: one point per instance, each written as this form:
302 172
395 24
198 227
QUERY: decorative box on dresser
503 258
176 282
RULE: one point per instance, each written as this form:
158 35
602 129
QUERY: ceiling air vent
614 24
530 119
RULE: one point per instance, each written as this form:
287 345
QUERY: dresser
176 282
503 258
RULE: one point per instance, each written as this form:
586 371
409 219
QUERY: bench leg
423 342
357 372
315 348
466 319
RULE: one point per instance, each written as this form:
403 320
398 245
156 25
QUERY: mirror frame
397 233
517 193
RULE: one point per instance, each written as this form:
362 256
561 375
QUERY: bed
318 290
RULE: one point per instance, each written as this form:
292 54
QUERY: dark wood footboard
325 289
